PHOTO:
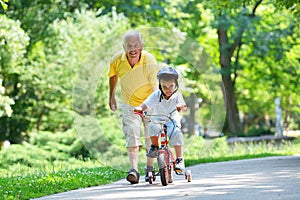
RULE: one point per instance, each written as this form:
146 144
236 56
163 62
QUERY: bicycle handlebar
167 116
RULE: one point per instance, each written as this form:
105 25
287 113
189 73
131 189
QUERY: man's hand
113 104
112 87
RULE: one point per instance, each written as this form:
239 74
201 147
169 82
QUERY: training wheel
188 175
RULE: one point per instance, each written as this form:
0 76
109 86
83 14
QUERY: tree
232 21
13 43
231 47
61 40
271 68
227 48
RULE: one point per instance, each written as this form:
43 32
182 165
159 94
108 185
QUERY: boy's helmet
167 72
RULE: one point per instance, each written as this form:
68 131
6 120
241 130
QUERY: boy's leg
179 163
149 167
152 152
154 140
176 140
178 151
153 131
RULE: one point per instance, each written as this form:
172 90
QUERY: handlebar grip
139 113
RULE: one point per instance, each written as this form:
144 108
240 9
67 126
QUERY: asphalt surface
274 178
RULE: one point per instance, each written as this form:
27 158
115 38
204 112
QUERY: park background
54 57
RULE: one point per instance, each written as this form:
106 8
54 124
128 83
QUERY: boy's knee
176 139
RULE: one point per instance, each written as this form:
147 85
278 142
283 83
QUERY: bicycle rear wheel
163 170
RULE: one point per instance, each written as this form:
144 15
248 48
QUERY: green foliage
36 15
33 155
13 43
4 4
62 69
65 142
71 38
69 49
257 131
272 47
44 90
103 138
5 102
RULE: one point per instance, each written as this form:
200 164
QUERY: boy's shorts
131 125
173 131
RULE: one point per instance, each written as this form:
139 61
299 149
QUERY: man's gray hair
133 33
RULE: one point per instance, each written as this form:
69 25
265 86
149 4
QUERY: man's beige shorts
132 124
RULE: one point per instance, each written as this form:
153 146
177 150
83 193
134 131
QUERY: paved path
274 178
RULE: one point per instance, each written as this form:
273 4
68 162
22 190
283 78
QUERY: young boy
164 101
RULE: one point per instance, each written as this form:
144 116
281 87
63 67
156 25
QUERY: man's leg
131 128
133 154
133 175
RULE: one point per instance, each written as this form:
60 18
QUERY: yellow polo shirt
137 82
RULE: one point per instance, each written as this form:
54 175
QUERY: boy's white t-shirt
157 106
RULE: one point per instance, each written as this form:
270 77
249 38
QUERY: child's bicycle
165 158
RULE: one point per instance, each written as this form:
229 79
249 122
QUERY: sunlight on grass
45 178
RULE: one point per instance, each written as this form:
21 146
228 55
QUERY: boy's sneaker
179 166
149 169
133 176
152 153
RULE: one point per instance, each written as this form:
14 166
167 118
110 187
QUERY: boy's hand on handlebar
138 110
181 108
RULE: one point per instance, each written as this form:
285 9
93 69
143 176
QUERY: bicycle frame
165 159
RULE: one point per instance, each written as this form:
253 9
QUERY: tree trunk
232 113
287 117
226 52
191 122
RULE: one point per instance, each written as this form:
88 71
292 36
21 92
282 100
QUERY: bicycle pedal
179 172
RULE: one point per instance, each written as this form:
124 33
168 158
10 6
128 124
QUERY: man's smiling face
133 47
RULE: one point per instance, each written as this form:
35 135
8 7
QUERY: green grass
38 181
217 150
26 187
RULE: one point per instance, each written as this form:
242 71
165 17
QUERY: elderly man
136 69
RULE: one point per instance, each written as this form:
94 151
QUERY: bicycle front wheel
163 170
